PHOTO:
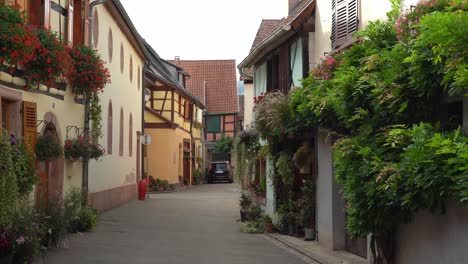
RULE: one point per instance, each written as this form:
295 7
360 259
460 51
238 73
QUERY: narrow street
198 225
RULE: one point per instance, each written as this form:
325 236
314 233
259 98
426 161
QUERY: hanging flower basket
47 148
90 75
80 148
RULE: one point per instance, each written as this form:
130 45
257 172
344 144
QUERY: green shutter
213 124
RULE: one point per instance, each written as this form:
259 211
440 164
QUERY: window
121 133
130 135
109 129
139 77
60 22
130 69
122 58
95 28
344 21
213 124
110 45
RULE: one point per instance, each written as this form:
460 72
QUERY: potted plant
269 228
254 212
308 209
90 75
245 202
81 148
47 148
5 248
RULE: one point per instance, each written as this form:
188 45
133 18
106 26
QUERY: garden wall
434 238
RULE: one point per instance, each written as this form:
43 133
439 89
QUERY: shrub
284 168
24 167
224 145
253 227
88 219
8 185
245 201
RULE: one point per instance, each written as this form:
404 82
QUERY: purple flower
20 240
3 168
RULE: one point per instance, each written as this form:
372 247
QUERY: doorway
50 185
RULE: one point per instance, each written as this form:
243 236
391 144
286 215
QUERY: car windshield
220 166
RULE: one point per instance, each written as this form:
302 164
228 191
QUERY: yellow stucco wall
115 170
67 113
164 160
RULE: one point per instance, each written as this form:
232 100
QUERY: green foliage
8 187
273 115
95 115
388 178
307 210
47 148
88 219
279 221
23 163
284 168
245 201
253 227
28 229
224 145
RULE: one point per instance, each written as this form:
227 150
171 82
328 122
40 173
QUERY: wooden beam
164 102
172 106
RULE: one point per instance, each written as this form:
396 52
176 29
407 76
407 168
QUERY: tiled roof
287 27
221 84
266 28
162 70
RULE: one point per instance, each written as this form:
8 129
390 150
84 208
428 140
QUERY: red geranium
90 74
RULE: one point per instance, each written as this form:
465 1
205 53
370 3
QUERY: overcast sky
202 29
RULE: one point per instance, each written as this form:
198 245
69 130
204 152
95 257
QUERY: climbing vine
395 156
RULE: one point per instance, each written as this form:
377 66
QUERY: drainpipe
84 184
143 105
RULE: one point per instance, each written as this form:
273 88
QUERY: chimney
293 4
177 60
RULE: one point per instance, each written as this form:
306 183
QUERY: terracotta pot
269 228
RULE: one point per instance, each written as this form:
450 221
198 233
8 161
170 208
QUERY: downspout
84 183
143 105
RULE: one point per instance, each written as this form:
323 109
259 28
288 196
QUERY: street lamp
147 94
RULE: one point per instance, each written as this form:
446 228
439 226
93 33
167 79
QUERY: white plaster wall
323 15
330 204
371 10
249 94
115 170
435 239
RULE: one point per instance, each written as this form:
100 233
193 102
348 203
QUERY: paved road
196 226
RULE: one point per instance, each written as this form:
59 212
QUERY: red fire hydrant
142 190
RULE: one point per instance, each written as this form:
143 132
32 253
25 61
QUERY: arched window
110 45
130 70
109 129
121 133
130 135
139 77
122 58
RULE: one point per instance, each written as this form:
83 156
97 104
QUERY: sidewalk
315 251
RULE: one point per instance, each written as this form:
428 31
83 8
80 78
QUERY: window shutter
86 23
30 124
344 21
70 23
